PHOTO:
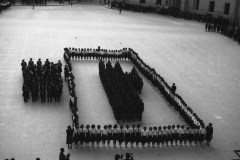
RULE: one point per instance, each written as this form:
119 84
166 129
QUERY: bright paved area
204 66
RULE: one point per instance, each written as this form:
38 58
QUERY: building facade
225 8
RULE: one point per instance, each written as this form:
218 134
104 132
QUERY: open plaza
205 66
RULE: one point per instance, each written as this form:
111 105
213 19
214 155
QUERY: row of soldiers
96 54
68 76
226 29
168 92
122 90
135 135
42 80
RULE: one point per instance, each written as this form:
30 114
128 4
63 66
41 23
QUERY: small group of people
129 156
224 27
122 90
4 6
95 54
62 156
118 4
168 92
136 135
41 81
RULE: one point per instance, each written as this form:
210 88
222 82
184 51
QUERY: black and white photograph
119 79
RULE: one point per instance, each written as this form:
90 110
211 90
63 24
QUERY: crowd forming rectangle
125 54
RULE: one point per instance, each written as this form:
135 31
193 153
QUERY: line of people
95 54
137 136
168 92
129 156
122 91
69 77
42 80
224 27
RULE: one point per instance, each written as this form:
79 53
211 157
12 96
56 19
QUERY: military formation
138 136
95 54
42 81
224 27
122 90
168 92
68 76
192 134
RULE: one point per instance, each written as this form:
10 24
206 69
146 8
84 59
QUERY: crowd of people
137 136
4 6
224 27
129 156
165 10
122 90
95 54
42 80
69 77
194 123
168 92
62 156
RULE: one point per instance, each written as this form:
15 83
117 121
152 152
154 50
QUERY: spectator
62 155
174 88
69 132
209 133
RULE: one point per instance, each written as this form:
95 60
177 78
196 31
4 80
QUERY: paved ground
156 111
204 66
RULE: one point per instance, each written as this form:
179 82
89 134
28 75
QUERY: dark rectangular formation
122 90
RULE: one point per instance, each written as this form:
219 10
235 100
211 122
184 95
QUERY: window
142 1
211 6
196 4
226 8
158 2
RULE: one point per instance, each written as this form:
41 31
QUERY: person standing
33 4
209 133
120 136
61 154
69 132
98 135
173 88
120 7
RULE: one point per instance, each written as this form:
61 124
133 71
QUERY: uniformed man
209 133
23 64
173 88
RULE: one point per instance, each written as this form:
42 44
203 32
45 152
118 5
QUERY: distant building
225 8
